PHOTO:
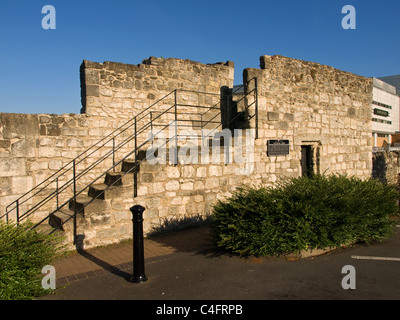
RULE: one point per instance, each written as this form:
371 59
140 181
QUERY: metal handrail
87 169
102 143
55 176
71 165
50 180
245 95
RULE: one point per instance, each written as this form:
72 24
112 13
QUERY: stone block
176 201
187 186
53 130
97 219
44 119
211 183
92 77
215 171
172 185
289 117
146 177
122 216
13 167
142 191
157 187
5 186
283 125
17 125
95 132
188 172
55 164
20 185
201 172
105 233
39 165
49 152
23 149
45 141
92 91
74 143
172 172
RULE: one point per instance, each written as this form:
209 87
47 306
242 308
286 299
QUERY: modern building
385 114
394 81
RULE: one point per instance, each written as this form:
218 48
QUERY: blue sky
40 68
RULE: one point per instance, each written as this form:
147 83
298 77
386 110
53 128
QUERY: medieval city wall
301 103
33 147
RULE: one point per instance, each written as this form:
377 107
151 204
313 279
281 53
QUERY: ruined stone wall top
118 90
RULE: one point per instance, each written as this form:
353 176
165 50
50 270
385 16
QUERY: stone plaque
278 147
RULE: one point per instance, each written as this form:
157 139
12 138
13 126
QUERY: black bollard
138 249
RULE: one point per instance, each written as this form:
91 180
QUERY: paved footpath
79 266
183 265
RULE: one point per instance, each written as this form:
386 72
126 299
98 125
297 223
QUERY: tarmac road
217 276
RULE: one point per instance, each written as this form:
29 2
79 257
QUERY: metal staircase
82 185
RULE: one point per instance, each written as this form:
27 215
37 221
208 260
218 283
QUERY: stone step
129 166
86 204
118 178
62 219
100 191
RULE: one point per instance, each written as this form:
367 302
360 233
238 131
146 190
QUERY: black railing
64 190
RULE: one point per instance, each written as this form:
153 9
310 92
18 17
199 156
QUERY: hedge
23 254
305 213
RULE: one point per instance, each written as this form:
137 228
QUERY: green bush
23 254
305 213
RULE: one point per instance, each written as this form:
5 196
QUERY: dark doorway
307 163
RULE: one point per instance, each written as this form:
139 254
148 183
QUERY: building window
381 121
381 104
382 113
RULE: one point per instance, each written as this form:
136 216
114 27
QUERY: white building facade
385 113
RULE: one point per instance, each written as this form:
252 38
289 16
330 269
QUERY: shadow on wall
175 224
379 167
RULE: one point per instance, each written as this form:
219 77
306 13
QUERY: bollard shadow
103 264
106 266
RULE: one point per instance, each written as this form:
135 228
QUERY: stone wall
169 194
33 147
306 103
317 105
